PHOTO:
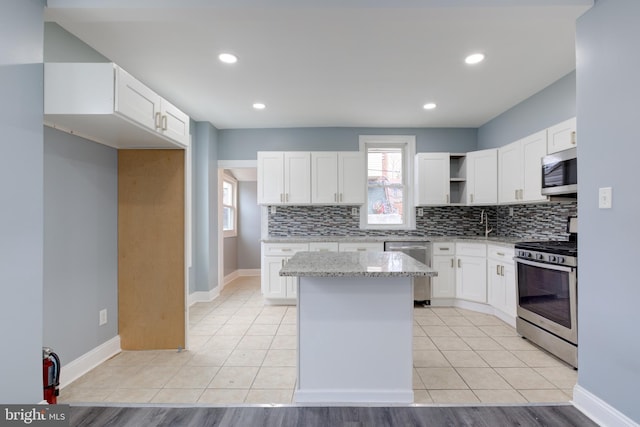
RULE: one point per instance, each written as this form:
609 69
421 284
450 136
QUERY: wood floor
478 416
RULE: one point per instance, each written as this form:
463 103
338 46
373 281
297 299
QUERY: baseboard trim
83 364
230 277
203 296
598 410
249 272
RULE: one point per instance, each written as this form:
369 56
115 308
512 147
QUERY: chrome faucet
484 219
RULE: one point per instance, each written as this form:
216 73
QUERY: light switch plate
103 317
604 198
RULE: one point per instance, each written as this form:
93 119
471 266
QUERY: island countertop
354 264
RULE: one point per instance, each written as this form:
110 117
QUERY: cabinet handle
361 249
286 197
471 197
282 262
497 270
521 194
573 137
444 249
340 197
157 120
502 270
452 265
281 197
164 122
286 250
448 198
335 197
500 253
459 263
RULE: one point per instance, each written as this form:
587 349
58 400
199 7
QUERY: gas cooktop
559 247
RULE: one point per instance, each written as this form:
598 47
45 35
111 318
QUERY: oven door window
545 291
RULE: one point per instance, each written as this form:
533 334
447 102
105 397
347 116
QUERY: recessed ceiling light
259 106
474 58
429 106
228 58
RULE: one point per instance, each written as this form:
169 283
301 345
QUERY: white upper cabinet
103 103
482 177
562 136
519 176
337 178
432 179
284 177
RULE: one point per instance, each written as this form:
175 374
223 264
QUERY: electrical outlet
273 210
604 198
420 212
354 211
103 317
510 211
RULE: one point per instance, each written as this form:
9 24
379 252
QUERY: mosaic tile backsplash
531 221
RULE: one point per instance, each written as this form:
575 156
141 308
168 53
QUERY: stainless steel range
547 292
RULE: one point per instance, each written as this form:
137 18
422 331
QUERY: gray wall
205 225
80 243
230 255
552 105
21 189
608 93
243 144
248 225
62 46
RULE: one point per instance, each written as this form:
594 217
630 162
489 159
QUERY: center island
355 326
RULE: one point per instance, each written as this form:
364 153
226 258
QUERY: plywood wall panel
151 259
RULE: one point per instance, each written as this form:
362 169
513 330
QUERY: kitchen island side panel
355 339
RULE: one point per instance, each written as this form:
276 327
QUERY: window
229 206
389 162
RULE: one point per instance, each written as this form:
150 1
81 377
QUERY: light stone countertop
495 240
354 264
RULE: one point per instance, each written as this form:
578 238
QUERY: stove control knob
560 260
552 258
540 256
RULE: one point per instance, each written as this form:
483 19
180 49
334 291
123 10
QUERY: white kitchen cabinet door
136 101
432 179
174 123
510 294
495 285
324 177
444 284
274 285
361 247
351 178
482 177
510 172
270 177
562 136
471 278
534 148
297 177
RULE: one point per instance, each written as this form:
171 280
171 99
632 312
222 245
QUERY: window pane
227 219
227 193
385 186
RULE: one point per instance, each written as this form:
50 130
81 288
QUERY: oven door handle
544 265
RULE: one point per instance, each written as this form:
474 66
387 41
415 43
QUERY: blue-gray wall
205 205
248 226
21 189
609 289
552 105
230 256
243 144
62 46
80 243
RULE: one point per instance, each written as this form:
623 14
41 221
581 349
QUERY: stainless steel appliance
420 251
560 173
547 293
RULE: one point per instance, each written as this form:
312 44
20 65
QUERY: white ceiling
318 63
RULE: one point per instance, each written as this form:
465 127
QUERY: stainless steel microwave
560 173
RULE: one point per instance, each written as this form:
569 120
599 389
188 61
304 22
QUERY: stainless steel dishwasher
420 251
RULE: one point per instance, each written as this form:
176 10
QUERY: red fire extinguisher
50 375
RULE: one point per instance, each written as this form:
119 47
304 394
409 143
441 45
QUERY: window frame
408 145
234 206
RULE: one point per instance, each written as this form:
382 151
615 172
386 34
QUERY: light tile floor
242 351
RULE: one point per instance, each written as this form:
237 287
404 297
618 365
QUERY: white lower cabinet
471 272
501 280
274 256
443 261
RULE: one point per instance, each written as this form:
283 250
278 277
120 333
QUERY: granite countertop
499 240
354 264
